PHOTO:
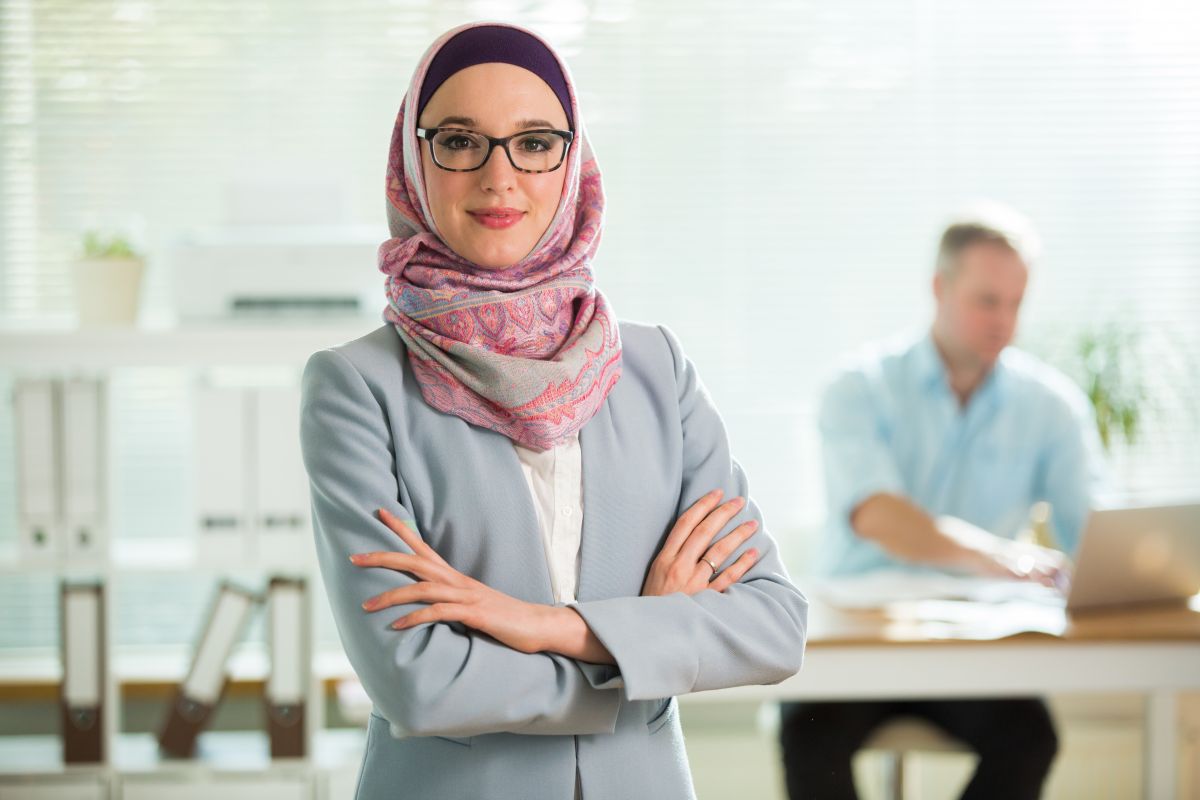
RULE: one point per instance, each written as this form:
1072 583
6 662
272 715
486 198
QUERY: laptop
1128 556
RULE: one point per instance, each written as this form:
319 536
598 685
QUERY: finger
725 546
438 612
1037 573
1048 577
408 536
1062 580
703 574
402 562
734 572
423 591
689 519
702 535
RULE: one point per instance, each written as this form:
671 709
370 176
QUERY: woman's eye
457 142
534 144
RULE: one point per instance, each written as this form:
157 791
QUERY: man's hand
907 532
993 556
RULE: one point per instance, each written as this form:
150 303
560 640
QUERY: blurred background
777 174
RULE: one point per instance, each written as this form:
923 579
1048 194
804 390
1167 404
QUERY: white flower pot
107 291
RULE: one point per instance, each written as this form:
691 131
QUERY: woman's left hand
452 596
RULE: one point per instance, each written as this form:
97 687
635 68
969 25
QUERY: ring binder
36 408
202 690
285 689
81 692
83 473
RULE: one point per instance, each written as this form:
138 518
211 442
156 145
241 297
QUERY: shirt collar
929 366
931 370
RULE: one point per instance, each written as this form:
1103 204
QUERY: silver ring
711 564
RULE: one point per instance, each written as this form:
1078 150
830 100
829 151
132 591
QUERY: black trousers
1015 739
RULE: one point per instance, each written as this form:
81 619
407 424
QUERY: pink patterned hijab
530 350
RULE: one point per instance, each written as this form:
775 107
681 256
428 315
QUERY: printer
277 271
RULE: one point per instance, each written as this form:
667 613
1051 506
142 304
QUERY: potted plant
1108 369
108 280
1104 360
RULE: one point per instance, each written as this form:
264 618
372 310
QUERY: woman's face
474 210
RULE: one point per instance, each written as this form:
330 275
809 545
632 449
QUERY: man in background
935 449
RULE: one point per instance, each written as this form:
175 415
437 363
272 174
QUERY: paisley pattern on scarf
530 350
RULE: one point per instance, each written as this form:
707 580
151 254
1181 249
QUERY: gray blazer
456 713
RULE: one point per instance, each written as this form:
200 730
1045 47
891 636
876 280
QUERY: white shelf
216 751
159 555
264 348
216 344
164 663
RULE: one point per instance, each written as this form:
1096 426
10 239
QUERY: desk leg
1162 745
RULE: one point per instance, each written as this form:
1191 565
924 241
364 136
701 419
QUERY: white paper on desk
885 587
956 619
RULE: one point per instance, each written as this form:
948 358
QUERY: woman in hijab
529 524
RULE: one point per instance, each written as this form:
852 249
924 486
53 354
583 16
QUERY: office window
776 177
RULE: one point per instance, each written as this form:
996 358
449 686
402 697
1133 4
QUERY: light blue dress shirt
890 422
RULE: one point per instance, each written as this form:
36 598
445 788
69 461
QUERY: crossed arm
685 563
449 678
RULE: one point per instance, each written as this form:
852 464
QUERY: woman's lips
497 217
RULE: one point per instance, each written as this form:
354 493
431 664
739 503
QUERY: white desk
905 652
896 654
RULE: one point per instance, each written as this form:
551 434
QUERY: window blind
777 175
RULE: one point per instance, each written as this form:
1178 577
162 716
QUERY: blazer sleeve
439 678
753 632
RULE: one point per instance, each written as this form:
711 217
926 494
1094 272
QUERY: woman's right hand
678 566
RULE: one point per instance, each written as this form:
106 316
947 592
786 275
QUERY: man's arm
907 532
863 483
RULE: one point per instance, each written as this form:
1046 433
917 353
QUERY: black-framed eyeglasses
462 150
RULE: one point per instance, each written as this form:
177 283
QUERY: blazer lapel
530 544
600 564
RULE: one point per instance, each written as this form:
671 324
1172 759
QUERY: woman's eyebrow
470 123
455 121
533 123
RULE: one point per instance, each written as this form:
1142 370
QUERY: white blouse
555 479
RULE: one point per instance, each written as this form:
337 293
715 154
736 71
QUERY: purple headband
490 44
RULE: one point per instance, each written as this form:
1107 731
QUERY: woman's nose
497 174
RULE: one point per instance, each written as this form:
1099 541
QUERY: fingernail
356 558
367 604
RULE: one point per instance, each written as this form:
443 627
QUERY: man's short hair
987 222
